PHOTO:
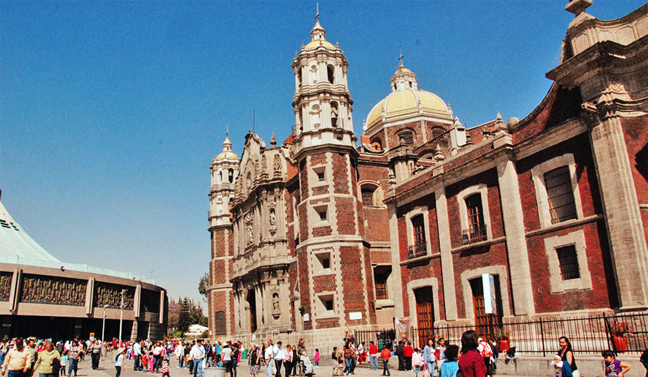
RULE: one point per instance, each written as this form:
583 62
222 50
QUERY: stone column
445 247
516 246
622 215
395 256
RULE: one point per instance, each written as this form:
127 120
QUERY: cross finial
400 48
317 13
227 130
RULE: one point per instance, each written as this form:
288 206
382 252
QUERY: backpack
487 351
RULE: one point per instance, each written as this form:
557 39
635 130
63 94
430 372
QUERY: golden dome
407 103
406 100
227 153
317 43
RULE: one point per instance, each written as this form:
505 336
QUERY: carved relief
110 294
249 228
5 285
52 290
273 221
276 311
277 165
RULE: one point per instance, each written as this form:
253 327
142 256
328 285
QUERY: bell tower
220 298
330 232
322 102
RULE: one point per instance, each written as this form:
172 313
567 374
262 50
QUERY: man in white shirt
226 355
197 353
137 352
269 357
279 355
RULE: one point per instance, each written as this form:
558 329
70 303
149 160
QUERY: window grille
560 195
476 225
367 197
568 261
420 247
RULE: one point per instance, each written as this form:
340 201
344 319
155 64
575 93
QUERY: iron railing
379 337
419 249
619 333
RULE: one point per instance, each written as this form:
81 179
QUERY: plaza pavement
107 369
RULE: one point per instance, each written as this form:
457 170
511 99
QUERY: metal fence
381 338
619 333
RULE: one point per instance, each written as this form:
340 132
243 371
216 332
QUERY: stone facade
549 213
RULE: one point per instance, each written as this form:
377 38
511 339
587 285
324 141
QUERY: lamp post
103 327
121 314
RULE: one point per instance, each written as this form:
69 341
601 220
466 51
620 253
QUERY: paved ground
107 369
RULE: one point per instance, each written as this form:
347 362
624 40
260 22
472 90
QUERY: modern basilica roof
17 247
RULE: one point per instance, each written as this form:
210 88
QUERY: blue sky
111 111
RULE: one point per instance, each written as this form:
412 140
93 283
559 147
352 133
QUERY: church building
427 222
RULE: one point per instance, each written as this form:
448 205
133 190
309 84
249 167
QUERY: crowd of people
474 357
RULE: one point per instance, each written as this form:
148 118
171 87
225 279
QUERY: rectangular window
322 214
568 260
367 197
320 176
420 247
476 225
381 274
328 304
560 194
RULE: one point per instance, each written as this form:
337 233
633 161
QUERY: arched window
406 137
299 77
368 196
231 175
330 70
437 131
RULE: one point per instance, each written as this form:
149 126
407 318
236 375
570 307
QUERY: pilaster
445 247
621 209
516 246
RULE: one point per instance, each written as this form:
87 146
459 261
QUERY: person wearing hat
119 360
18 361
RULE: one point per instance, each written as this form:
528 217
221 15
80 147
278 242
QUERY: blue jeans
386 368
373 359
117 371
197 370
15 373
72 365
234 364
348 365
430 367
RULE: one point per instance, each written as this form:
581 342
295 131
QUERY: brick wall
352 285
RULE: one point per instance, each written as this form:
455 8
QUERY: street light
121 314
103 327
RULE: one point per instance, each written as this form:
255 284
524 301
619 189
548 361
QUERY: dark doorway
486 322
251 299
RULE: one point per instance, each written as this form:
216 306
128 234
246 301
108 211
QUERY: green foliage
203 285
185 319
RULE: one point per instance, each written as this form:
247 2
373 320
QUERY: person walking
48 362
279 354
95 354
567 354
373 355
385 354
255 361
119 360
269 358
471 361
408 351
197 354
429 356
73 357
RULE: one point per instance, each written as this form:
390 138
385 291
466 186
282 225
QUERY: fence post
544 352
608 333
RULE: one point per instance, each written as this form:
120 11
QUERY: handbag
56 366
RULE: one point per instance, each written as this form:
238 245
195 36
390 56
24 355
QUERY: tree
185 319
203 284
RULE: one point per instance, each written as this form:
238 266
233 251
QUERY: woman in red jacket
408 351
471 361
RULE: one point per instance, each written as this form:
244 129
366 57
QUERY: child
145 360
316 358
64 361
417 361
450 367
557 364
614 367
165 368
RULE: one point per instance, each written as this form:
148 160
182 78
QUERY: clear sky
111 111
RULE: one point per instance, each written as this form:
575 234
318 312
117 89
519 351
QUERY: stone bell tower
224 172
335 284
